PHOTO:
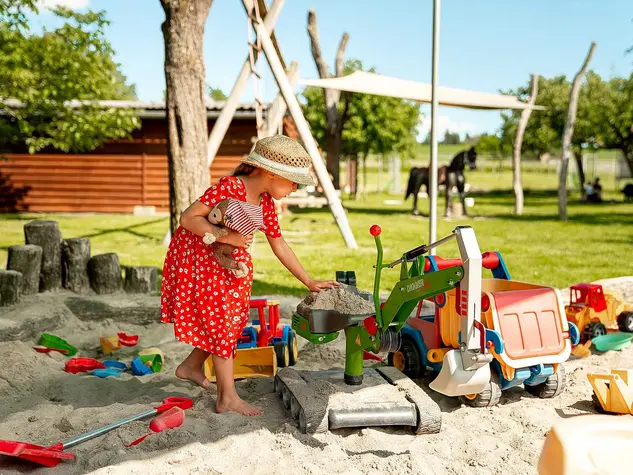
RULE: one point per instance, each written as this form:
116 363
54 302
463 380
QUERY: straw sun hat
282 156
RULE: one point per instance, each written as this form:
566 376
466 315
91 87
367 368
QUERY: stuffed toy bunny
236 215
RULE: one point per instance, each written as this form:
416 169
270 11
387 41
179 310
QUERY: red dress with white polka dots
207 304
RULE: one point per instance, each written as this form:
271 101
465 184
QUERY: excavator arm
467 369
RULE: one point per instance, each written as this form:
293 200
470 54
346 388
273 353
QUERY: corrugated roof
157 108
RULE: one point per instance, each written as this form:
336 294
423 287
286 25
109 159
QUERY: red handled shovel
51 456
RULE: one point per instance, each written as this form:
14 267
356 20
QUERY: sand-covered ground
42 404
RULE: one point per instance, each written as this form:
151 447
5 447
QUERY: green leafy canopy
49 80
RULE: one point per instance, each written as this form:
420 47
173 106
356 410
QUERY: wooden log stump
27 260
104 273
46 234
10 283
75 257
141 280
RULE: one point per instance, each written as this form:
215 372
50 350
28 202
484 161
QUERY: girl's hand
318 285
238 240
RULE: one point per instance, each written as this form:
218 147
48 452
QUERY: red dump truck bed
530 323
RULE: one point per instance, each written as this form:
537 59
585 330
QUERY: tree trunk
335 121
581 169
26 260
183 32
568 133
516 152
76 254
47 235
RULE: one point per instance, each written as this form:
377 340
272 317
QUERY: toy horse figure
449 176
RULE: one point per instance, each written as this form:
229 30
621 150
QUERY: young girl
207 304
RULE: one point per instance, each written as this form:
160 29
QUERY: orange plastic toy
595 311
613 392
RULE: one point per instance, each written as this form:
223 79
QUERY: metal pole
304 131
434 103
223 121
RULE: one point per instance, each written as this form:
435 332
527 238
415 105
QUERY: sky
485 45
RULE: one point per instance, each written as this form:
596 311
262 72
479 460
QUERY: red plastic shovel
51 456
170 419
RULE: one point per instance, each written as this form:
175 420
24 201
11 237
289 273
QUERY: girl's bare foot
193 374
236 404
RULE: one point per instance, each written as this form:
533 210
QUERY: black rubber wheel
293 349
551 387
407 359
594 330
489 397
625 322
283 355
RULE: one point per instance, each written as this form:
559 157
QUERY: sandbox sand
42 404
339 298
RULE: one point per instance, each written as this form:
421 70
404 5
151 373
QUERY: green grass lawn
595 243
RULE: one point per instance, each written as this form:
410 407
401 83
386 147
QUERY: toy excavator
359 397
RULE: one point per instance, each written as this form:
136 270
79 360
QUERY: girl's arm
195 220
288 258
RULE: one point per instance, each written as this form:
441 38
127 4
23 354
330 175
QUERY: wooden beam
263 12
304 131
568 133
517 183
278 109
230 106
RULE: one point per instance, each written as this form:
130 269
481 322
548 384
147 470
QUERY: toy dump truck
521 325
595 311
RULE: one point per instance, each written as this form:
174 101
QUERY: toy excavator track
321 401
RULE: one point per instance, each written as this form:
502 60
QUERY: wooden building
120 176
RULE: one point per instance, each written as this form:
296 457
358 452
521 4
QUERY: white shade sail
377 84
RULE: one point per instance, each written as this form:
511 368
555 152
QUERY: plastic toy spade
170 419
51 456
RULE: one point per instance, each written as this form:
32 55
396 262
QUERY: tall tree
488 144
49 82
568 132
335 120
183 32
610 114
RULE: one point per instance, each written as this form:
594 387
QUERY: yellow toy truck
595 311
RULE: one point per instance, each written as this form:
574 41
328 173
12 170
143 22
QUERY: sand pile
42 404
343 299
